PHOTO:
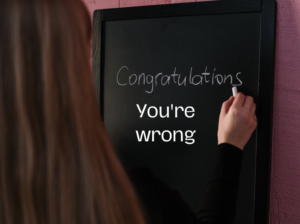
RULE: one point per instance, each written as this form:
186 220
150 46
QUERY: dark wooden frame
267 8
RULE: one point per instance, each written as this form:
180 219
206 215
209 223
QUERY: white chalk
234 91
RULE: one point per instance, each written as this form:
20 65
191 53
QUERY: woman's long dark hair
56 163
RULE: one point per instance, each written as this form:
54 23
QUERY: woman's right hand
237 121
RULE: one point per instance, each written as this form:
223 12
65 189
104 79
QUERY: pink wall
285 173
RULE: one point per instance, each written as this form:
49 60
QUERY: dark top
164 205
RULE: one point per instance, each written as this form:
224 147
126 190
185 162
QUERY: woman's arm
219 201
237 122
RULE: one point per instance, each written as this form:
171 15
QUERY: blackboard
161 74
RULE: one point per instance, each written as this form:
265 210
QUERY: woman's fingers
253 108
226 105
239 100
243 101
248 104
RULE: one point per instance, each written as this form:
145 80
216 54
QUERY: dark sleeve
218 204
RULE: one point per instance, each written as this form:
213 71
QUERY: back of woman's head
56 164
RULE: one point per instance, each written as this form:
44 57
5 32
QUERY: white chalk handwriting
125 77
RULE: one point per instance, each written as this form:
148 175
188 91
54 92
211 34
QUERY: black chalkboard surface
161 76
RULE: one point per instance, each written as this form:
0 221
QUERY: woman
56 163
